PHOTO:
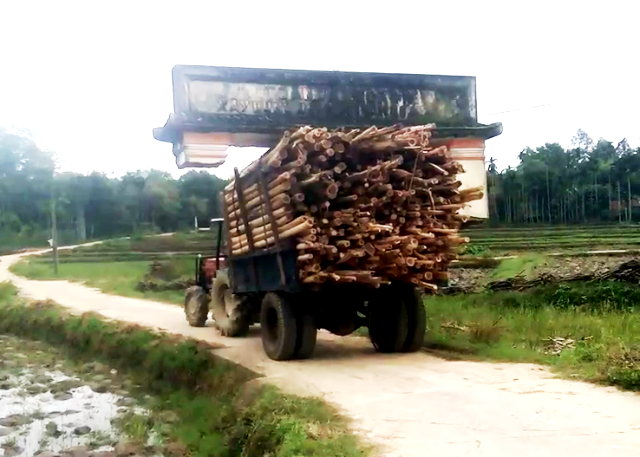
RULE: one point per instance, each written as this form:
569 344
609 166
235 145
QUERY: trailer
262 270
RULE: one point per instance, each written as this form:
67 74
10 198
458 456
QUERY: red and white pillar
469 152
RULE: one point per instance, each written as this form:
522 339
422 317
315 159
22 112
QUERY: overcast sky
91 82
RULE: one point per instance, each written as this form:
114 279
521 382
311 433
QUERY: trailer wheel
231 313
196 307
307 333
388 322
279 328
413 301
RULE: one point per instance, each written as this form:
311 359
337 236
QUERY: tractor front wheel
196 307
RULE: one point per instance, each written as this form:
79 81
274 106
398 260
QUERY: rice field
547 239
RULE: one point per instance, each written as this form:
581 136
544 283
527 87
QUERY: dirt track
411 404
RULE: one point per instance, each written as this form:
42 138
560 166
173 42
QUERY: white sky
91 81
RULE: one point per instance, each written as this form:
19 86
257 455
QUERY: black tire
413 301
279 328
231 313
196 307
307 333
388 322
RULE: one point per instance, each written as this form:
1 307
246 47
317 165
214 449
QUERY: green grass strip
602 319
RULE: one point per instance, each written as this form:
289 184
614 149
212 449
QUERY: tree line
94 205
587 183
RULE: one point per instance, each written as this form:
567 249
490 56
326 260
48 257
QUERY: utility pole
548 198
629 195
619 205
54 233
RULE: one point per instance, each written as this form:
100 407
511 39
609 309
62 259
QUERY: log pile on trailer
364 206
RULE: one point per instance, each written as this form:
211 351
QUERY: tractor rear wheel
413 302
279 327
196 307
231 313
388 321
307 332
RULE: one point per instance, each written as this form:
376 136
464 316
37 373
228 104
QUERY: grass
119 278
602 319
520 266
203 242
218 409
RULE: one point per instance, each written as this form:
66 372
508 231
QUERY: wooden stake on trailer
272 220
245 219
243 209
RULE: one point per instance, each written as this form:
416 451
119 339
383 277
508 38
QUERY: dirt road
412 405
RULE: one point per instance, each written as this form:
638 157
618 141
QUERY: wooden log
308 245
437 168
375 171
314 268
282 177
293 165
378 228
278 182
347 199
305 257
367 133
301 132
259 220
419 233
424 263
261 224
309 239
261 234
258 199
340 167
457 239
424 285
329 249
297 230
276 202
315 279
316 178
471 197
443 230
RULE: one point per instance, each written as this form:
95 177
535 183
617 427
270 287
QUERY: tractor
215 107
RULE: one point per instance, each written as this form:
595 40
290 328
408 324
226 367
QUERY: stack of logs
371 206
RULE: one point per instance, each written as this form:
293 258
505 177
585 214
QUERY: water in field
45 407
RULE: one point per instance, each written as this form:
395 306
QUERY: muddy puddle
50 406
